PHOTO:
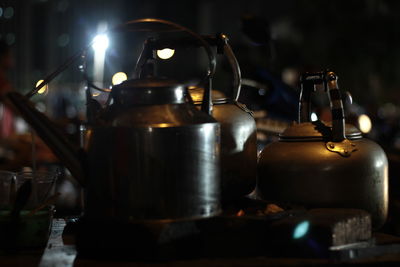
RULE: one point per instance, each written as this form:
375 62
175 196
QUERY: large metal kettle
151 154
316 164
238 127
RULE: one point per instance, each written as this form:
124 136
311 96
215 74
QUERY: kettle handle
140 25
329 80
237 77
221 41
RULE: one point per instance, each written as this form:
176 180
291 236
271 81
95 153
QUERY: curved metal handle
220 40
145 54
237 77
336 104
134 25
329 80
308 81
140 25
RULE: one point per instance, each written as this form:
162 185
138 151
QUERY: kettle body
312 165
238 149
238 144
155 157
307 173
238 133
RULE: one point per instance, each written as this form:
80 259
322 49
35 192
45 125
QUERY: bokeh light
119 77
44 89
301 230
364 123
100 43
165 53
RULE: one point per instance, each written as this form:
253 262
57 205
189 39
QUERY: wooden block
346 225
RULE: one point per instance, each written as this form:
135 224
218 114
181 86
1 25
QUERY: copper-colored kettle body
320 165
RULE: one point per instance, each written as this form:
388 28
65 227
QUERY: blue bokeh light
301 230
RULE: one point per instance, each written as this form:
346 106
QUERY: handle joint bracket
345 148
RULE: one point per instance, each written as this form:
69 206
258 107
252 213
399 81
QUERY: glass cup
7 189
27 230
43 186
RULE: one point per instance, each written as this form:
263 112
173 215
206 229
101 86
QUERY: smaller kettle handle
329 80
237 77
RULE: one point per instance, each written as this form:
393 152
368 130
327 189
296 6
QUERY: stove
247 228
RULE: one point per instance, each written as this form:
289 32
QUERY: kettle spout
65 150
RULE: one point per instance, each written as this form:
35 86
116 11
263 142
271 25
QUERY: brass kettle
316 164
150 154
238 127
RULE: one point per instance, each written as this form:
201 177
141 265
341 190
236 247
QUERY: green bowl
27 232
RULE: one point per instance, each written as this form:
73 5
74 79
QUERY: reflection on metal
314 116
95 94
163 125
179 94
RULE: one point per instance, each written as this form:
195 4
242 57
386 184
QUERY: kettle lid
149 91
197 94
315 131
155 82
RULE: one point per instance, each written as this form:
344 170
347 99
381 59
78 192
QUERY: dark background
358 39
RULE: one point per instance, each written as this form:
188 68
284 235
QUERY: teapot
238 127
318 164
150 154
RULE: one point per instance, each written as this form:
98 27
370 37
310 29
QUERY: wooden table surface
58 254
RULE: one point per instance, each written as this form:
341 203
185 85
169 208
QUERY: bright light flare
314 116
118 78
44 89
301 230
100 43
365 124
165 53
